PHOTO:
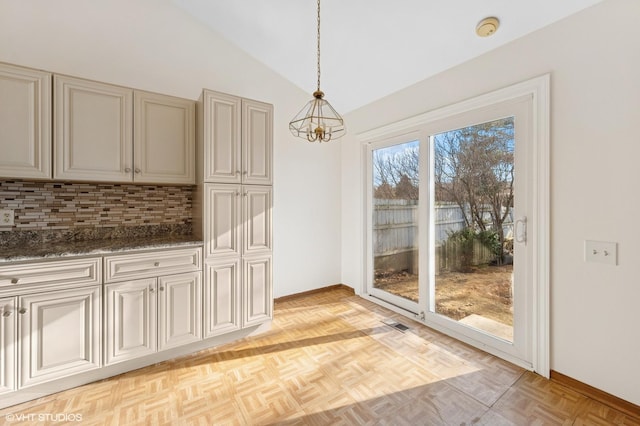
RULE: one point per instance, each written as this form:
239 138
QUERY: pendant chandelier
318 121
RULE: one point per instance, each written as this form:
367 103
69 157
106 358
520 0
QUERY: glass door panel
473 223
394 223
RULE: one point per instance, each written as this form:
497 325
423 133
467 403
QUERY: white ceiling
370 48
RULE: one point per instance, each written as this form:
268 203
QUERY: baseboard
317 290
596 394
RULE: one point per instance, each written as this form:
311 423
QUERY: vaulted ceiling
370 48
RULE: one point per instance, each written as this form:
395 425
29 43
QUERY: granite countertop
48 250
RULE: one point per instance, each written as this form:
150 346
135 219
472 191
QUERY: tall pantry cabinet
234 198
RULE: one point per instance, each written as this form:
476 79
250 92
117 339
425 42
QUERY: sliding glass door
447 208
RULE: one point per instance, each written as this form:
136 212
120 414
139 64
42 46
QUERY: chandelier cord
318 45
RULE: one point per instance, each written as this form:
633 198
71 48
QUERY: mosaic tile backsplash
87 211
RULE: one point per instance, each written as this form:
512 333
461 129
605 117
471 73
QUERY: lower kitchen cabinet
130 319
222 297
66 322
235 298
257 290
8 323
179 310
60 334
151 314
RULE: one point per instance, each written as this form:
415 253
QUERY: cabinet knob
6 312
244 173
15 280
127 169
237 172
137 170
156 263
22 311
161 288
152 290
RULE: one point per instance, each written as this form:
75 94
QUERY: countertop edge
97 251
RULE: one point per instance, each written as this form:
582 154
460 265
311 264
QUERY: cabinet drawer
151 264
73 271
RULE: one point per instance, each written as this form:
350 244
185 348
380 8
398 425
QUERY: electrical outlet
6 218
601 252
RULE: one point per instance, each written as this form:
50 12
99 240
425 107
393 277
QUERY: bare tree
397 174
474 168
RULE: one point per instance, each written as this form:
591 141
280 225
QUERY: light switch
601 252
6 218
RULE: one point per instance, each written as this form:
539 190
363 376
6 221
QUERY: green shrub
461 246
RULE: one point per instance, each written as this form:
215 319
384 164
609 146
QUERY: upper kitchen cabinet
93 131
25 123
257 142
220 126
115 134
237 139
164 139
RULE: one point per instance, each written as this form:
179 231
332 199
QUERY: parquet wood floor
328 360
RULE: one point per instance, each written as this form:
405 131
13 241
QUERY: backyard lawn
485 291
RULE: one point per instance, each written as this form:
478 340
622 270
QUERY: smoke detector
487 27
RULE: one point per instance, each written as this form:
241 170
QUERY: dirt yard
485 291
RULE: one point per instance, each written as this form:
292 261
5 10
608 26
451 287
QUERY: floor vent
398 326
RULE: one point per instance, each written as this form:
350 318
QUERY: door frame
538 235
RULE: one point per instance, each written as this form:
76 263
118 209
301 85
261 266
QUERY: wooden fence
395 236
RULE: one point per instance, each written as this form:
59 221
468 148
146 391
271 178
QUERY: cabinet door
179 310
222 129
222 212
257 202
257 291
131 328
257 142
93 131
60 334
164 139
8 345
25 123
222 297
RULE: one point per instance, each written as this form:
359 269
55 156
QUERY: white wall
153 45
594 61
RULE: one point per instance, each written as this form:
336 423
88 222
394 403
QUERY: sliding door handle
521 230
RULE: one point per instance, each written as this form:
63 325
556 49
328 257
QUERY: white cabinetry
221 150
257 288
237 139
256 219
94 138
179 309
257 142
25 123
235 298
55 309
222 296
130 315
93 130
235 146
237 232
8 344
164 139
59 334
238 219
158 308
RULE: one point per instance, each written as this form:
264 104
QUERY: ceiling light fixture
318 121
